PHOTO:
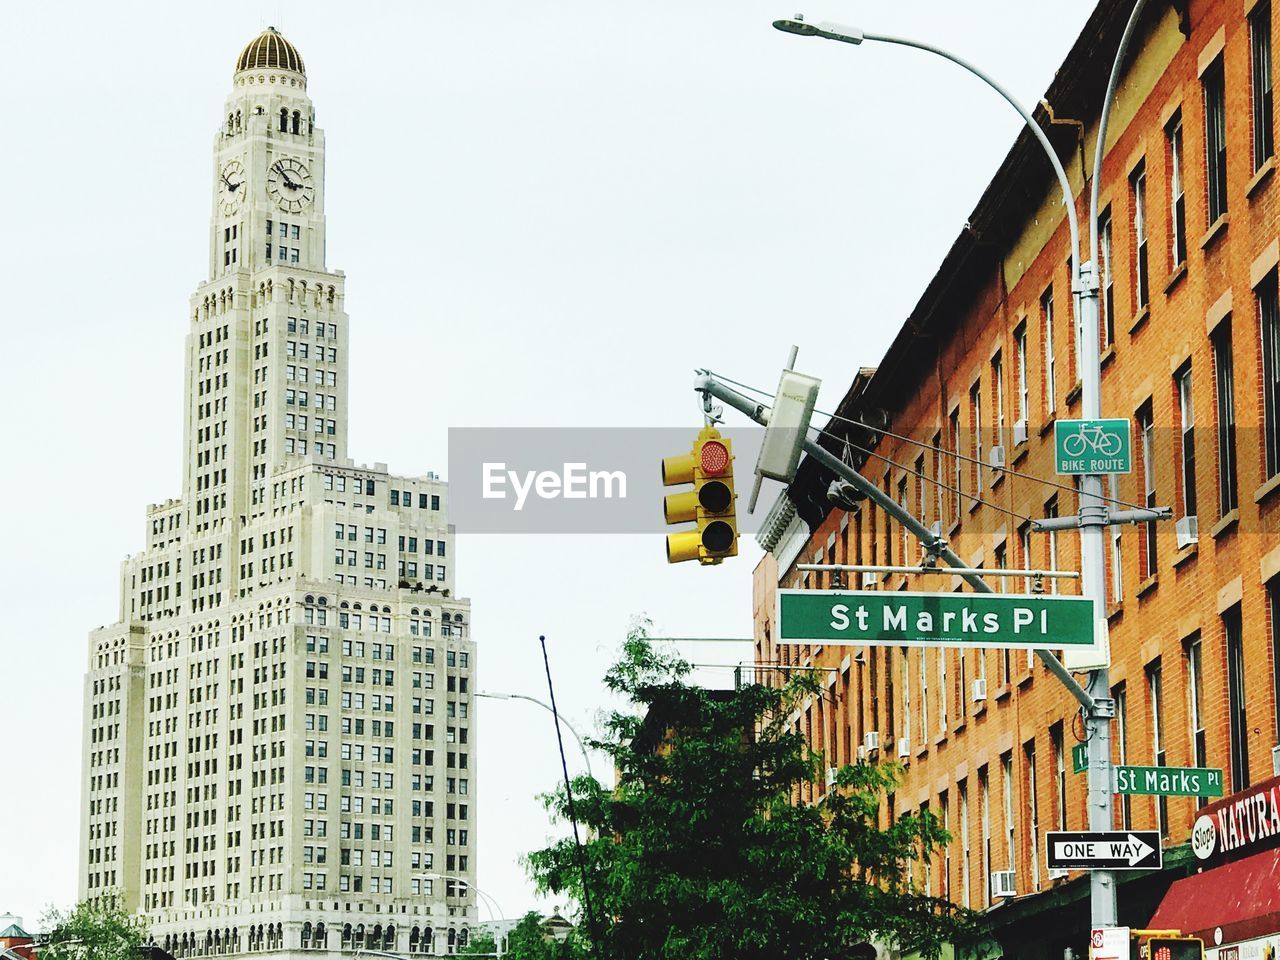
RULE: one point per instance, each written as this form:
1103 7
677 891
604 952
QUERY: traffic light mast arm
707 384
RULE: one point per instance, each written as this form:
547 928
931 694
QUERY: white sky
548 213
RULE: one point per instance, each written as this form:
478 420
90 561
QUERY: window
1011 853
1046 320
1138 198
1269 317
1120 736
1260 82
1020 342
1033 812
962 789
906 696
1273 603
1059 774
1117 543
1177 195
1158 754
1237 714
1108 325
924 696
1187 419
957 474
943 690
1148 555
1195 702
997 395
984 811
1215 140
975 406
1225 403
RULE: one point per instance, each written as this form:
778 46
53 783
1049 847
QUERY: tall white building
279 744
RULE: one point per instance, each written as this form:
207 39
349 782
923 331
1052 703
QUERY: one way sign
1106 850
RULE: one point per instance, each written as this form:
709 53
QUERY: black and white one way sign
1106 850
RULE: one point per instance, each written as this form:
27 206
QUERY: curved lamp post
545 706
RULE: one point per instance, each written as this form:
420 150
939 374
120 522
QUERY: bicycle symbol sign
1092 446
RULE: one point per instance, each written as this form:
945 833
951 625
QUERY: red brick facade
961 346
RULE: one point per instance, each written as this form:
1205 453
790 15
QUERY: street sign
1109 943
902 618
1103 850
1169 781
1092 446
1080 757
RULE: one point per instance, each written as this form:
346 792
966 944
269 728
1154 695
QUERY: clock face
290 185
231 186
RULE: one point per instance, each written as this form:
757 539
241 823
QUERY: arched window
414 936
284 120
237 119
360 936
321 937
389 937
306 934
462 937
346 935
297 122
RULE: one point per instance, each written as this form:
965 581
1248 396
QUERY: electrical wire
920 443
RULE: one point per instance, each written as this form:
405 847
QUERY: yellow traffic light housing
710 504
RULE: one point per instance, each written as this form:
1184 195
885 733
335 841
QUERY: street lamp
1099 707
490 903
545 706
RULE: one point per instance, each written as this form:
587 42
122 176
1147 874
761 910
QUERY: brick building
988 358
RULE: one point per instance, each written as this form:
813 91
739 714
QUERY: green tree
701 850
479 943
96 929
529 941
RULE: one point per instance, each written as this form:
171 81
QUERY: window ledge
1116 612
1185 554
979 709
1074 393
1175 278
1025 679
974 504
958 726
1226 524
997 478
1214 232
922 750
939 740
1139 319
1021 452
1148 584
1049 421
1108 355
1262 175
1265 491
951 530
1003 692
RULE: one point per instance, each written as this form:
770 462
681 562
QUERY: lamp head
797 26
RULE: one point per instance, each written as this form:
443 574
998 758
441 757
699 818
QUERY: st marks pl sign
934 619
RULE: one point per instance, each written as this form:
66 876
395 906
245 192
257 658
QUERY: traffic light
1175 948
709 467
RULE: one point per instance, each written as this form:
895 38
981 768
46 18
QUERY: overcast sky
599 197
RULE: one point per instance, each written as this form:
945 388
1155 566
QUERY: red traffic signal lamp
1175 948
710 504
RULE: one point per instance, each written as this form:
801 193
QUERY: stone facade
279 745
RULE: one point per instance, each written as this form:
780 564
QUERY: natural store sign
1246 820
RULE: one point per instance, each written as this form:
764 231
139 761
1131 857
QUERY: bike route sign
1092 446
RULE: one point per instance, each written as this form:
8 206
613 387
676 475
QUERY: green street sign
1092 446
1169 781
903 618
1080 758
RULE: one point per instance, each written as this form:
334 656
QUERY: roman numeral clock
289 185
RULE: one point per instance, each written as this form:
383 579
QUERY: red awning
1243 898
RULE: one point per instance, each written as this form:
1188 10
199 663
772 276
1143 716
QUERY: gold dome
270 51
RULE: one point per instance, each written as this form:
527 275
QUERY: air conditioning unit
997 458
870 578
831 776
1057 874
1019 432
1187 531
980 690
872 741
904 748
1275 761
862 753
1002 884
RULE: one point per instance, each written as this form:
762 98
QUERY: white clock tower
279 741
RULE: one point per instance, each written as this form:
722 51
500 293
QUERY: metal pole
759 413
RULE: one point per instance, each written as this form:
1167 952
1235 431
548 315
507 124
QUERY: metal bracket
1104 708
